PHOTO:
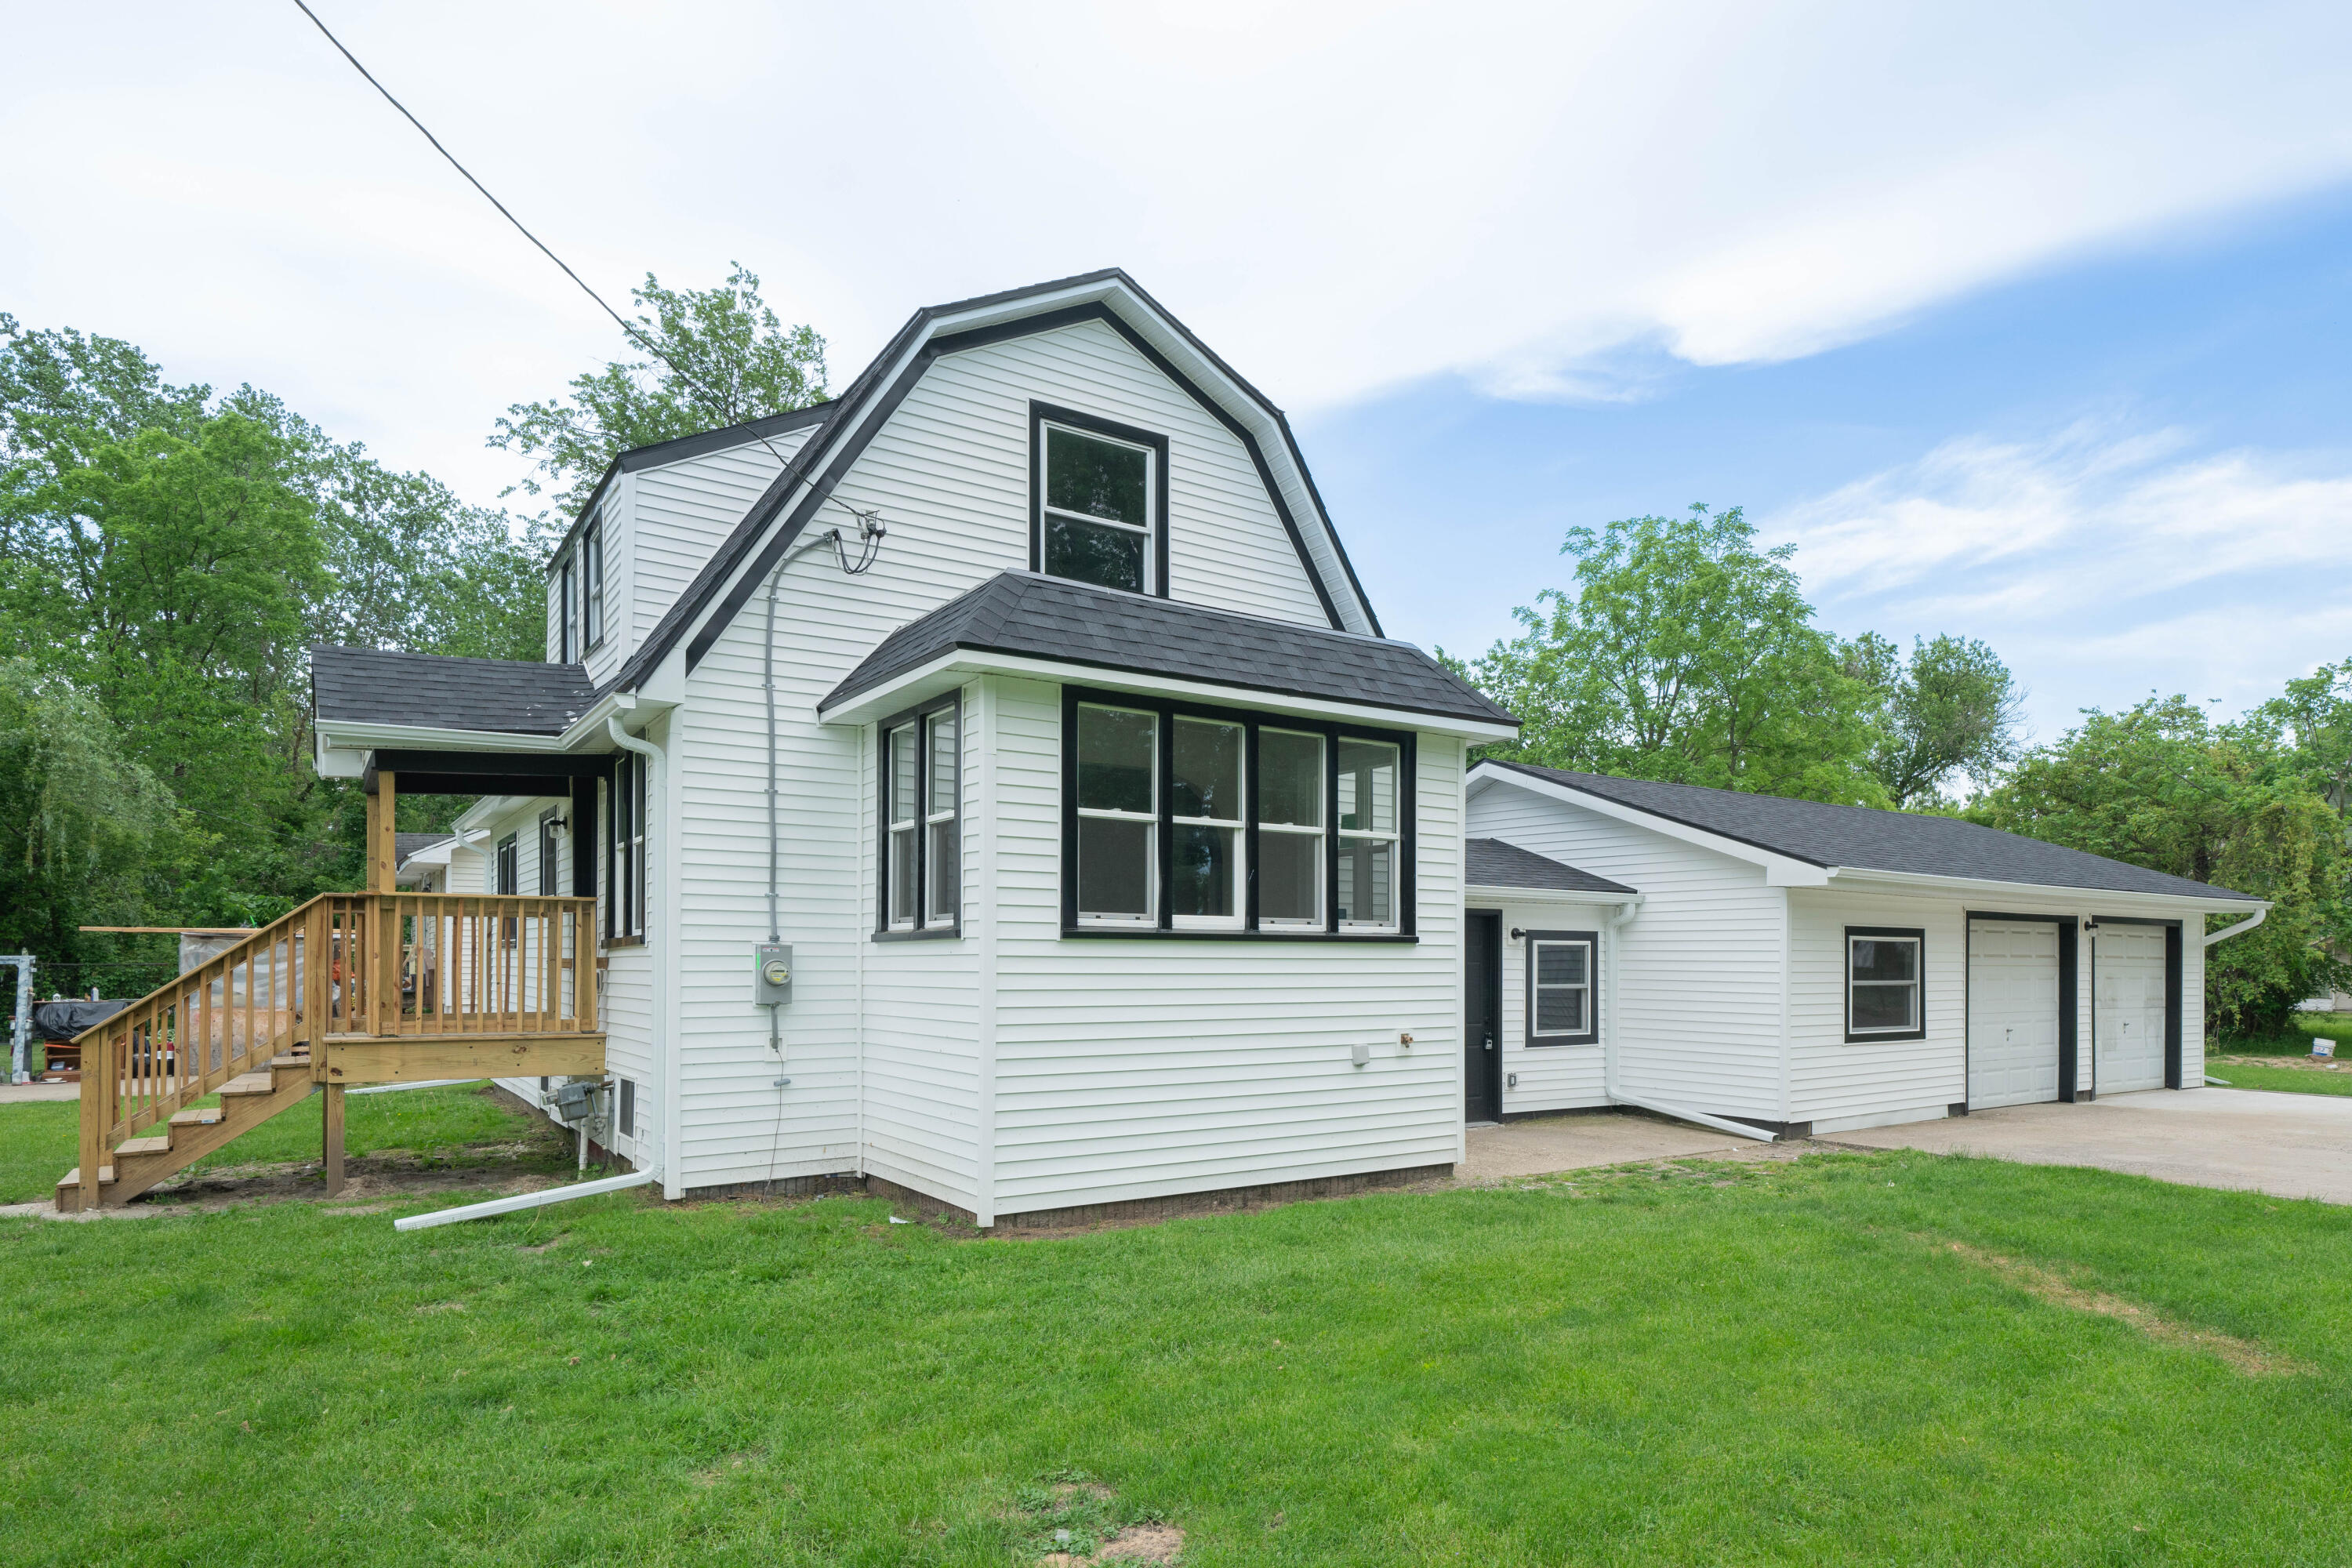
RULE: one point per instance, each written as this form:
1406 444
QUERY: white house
1026 694
1022 702
1805 968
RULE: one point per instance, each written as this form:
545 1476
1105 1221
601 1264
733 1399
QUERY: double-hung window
624 849
567 642
923 828
1183 819
1100 499
1882 987
592 585
1561 1009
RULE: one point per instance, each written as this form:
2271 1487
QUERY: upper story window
1183 819
922 830
592 585
1100 501
566 607
625 848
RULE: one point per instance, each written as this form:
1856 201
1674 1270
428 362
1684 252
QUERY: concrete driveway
1579 1140
2289 1146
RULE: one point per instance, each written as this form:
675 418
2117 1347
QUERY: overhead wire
868 522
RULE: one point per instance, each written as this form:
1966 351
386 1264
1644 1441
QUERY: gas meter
771 974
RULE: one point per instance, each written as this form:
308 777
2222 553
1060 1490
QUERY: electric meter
771 974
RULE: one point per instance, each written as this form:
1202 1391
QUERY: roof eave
1477 892
957 665
2218 900
1779 870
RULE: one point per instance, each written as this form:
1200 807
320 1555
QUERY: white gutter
2226 933
526 1201
2108 898
658 943
1481 894
957 666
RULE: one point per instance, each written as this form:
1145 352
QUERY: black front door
1482 1047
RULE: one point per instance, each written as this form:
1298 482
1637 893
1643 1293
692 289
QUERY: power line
712 405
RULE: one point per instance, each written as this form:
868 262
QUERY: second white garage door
2129 961
2012 1013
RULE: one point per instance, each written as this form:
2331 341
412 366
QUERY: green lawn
2280 1080
2295 1040
455 1127
1782 1363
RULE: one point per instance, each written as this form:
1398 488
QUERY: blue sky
2023 320
2230 343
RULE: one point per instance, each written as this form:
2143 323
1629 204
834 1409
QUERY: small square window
1099 498
1885 985
1563 1004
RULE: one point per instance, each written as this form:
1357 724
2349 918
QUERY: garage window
1884 993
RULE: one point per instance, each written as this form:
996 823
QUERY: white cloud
1339 197
2103 561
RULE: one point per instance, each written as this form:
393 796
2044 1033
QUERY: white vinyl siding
1551 1077
1833 1079
1697 974
1132 1069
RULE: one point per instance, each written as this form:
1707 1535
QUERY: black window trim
1044 414
1589 1035
922 930
592 587
625 837
551 857
1331 730
1917 934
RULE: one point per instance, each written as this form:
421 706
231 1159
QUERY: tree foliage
718 356
2160 785
1687 655
1952 708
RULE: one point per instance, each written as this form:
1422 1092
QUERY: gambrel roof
1063 622
1860 837
733 574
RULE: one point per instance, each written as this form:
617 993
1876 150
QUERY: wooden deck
350 989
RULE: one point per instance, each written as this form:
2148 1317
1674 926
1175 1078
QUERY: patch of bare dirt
731 1465
2299 1064
1136 1543
2243 1355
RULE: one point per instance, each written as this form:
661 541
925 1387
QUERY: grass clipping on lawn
2244 1356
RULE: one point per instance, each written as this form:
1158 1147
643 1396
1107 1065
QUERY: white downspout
659 935
2243 926
1617 924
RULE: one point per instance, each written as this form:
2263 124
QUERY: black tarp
61 1021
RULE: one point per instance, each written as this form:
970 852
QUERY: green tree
82 829
2315 713
1952 708
715 357
2162 786
1687 655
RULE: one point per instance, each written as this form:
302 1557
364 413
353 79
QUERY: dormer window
1100 498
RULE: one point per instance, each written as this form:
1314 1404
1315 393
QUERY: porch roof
433 692
1493 863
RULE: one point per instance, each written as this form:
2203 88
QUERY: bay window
921 849
1187 819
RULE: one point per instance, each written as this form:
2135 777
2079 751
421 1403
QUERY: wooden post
317 969
334 1140
96 1111
381 854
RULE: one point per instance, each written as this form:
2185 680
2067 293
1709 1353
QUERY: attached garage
2021 1022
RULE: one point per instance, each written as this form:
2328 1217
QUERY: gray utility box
575 1100
771 974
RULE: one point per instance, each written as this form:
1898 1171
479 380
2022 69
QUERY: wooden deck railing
364 965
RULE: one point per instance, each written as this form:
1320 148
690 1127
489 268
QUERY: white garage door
2012 1013
2130 991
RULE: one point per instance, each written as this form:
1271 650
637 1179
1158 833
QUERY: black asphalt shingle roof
405 845
1871 840
1073 622
1491 863
369 686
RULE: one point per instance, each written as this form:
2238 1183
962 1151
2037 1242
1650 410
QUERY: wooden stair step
73 1178
290 1060
209 1116
142 1146
248 1083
